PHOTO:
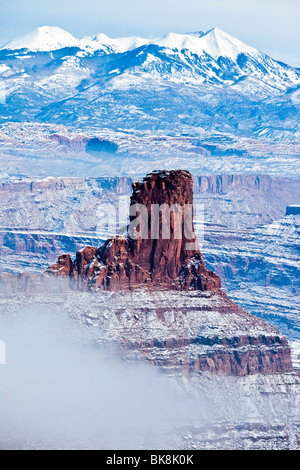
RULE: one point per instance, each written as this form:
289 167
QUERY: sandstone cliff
172 312
161 252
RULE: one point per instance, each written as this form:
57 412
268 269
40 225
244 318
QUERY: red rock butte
122 263
172 312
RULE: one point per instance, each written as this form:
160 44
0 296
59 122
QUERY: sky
271 26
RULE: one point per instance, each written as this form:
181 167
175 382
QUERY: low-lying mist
60 389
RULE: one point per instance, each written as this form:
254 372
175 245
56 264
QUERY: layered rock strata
187 332
182 332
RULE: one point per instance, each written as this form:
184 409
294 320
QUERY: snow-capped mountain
215 43
204 79
50 38
101 42
45 38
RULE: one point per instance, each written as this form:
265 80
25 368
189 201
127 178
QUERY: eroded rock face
194 332
182 332
162 251
198 329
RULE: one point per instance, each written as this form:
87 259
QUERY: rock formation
172 312
186 332
161 247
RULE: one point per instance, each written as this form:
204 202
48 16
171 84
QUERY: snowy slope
111 45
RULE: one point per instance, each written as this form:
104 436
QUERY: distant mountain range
214 42
179 83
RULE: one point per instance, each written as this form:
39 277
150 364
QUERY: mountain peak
44 38
219 43
214 42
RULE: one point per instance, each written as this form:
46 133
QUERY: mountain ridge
47 38
197 80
